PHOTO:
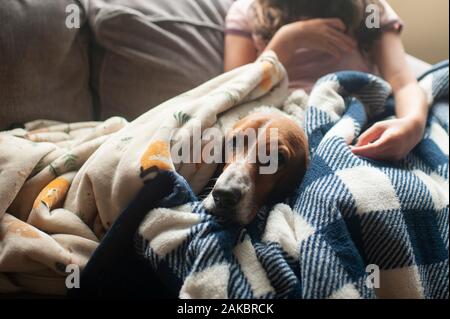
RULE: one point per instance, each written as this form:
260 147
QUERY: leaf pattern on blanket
39 167
37 233
53 170
232 96
181 118
73 187
70 162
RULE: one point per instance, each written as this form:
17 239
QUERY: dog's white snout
234 179
232 194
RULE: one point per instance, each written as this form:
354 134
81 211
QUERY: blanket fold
355 228
62 186
110 198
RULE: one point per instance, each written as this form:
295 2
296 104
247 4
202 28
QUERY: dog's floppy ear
287 187
292 180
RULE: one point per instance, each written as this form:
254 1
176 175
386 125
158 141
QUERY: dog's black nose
226 197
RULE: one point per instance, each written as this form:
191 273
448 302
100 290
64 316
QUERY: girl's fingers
332 48
338 46
348 43
375 151
381 150
371 152
371 135
336 24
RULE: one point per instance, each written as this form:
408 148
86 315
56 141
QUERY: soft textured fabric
308 65
38 237
44 66
348 213
150 51
62 186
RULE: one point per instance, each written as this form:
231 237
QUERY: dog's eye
281 160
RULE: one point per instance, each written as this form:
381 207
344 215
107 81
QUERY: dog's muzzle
231 197
226 198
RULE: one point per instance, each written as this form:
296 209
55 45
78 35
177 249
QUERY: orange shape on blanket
158 148
37 131
53 194
157 155
22 229
266 83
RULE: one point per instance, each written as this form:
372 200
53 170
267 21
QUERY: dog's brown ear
293 179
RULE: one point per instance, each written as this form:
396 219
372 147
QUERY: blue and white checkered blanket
355 228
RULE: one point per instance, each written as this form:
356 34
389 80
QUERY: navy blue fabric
115 270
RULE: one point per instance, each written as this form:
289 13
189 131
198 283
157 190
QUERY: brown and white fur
241 189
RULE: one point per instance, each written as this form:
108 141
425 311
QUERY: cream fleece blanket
62 186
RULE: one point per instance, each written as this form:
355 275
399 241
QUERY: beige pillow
44 66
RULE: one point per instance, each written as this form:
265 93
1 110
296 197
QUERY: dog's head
248 180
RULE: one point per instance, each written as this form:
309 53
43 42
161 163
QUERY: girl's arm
390 57
326 35
394 139
239 50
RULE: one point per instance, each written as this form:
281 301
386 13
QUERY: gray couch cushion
44 66
152 50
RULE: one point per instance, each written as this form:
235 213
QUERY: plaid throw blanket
355 228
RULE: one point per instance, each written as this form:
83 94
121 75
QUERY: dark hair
271 15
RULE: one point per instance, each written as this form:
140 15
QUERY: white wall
426 33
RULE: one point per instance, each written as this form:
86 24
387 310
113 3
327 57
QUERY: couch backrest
44 66
150 51
128 56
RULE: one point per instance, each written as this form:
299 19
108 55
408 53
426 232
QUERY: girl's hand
327 35
390 140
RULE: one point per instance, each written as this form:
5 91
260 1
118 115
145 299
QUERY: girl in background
315 37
